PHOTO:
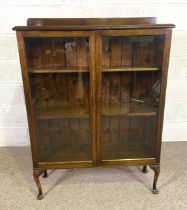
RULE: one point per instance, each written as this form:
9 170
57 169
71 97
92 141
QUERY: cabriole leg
45 175
156 169
36 174
144 169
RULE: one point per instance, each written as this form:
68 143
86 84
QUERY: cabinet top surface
56 24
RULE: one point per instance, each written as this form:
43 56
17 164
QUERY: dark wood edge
122 32
65 165
128 162
93 27
165 64
55 33
27 94
92 94
134 32
88 164
98 49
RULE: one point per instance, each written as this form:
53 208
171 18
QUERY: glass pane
57 53
131 77
128 137
58 95
60 84
136 51
63 140
130 92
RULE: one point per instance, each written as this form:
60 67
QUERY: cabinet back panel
57 53
136 51
128 137
63 140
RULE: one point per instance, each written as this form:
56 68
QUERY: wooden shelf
39 71
132 114
60 110
131 69
129 110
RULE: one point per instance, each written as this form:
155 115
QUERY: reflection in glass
130 92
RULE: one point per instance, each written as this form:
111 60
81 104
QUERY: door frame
28 100
164 71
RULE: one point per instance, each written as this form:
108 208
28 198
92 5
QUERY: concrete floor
118 188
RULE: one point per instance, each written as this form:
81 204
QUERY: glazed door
129 73
60 73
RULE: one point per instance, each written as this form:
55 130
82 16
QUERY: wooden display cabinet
95 91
